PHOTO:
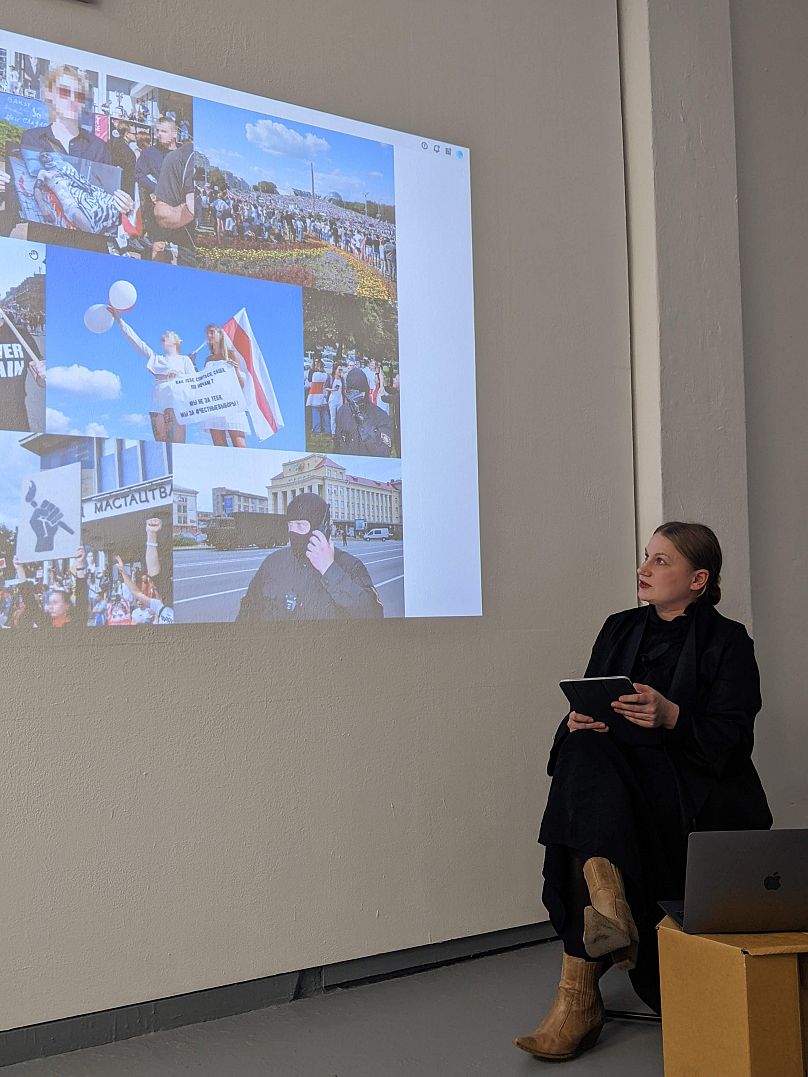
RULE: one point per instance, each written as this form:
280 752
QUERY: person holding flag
219 426
262 404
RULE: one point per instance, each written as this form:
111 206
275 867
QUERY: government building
356 503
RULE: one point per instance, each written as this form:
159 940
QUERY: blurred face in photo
58 604
66 97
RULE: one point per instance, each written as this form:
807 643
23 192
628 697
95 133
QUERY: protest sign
50 514
213 391
23 111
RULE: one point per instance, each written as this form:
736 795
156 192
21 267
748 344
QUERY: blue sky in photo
102 387
259 147
18 261
18 464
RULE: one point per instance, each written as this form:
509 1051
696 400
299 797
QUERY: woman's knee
585 743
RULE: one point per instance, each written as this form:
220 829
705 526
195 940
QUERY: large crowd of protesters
257 218
23 316
85 591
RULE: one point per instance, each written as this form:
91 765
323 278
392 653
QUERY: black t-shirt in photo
175 183
13 370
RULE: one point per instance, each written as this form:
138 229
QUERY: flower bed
315 265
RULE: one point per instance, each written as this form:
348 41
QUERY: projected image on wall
22 336
293 202
82 153
207 312
257 564
172 353
352 378
85 533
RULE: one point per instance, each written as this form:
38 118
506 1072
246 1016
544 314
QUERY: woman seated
676 757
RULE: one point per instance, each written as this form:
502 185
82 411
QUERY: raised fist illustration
45 522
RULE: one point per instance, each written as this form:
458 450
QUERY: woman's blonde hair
171 335
221 342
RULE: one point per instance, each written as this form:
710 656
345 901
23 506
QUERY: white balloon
97 318
122 295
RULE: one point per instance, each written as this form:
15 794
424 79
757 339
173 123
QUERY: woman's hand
648 708
577 722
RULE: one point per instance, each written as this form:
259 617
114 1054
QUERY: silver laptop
743 881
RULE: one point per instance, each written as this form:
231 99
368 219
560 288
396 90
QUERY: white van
382 533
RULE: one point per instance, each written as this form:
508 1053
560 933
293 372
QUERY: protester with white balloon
98 319
171 364
122 295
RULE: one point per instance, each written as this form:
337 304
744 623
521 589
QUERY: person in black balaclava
362 428
309 579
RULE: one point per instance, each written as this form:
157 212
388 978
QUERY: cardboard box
734 1005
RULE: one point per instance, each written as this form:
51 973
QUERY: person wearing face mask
362 428
675 757
309 579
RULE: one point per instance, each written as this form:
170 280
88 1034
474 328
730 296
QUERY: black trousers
620 801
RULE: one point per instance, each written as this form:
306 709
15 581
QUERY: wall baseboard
108 1026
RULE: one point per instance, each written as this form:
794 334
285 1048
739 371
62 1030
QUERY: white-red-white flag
262 404
132 222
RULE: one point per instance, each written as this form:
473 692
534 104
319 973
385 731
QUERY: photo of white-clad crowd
294 203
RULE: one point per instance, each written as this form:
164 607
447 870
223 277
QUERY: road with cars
209 584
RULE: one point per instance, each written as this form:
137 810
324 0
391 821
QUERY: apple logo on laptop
772 882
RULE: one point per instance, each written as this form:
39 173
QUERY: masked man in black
362 428
309 579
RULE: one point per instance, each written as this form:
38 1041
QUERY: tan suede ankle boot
576 1016
609 927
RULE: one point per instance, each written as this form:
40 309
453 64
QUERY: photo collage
199 356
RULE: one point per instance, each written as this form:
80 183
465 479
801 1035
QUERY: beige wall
769 50
687 340
194 809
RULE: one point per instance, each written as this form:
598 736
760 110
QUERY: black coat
289 588
717 687
366 431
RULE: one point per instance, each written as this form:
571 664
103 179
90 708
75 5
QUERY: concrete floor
456 1021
